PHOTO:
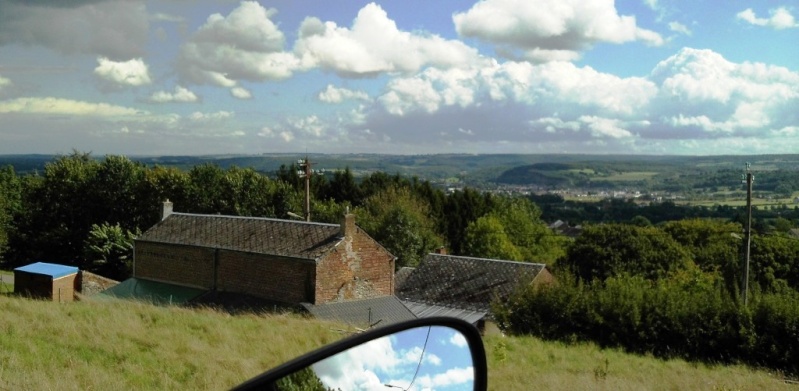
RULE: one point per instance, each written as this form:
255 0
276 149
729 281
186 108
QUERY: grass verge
130 345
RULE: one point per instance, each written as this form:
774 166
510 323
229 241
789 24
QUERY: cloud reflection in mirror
422 358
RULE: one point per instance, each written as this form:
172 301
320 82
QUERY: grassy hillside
125 345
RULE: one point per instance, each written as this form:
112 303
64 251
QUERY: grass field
4 286
626 177
127 345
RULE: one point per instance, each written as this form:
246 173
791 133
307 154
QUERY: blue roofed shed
48 281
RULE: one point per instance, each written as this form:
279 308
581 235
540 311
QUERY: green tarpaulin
152 291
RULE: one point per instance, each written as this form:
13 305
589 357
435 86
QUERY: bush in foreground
675 317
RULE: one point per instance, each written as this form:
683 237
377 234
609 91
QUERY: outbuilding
281 261
48 281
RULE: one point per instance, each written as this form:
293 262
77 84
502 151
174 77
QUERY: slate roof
400 276
378 311
422 310
465 282
286 238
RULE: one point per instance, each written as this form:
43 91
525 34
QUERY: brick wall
182 265
358 268
42 286
278 279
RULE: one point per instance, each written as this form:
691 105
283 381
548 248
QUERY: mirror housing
269 379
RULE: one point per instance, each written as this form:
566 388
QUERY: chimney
167 209
441 250
348 225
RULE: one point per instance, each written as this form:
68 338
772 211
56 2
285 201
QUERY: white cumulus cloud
780 18
180 94
375 45
240 93
131 73
333 94
547 30
59 106
244 45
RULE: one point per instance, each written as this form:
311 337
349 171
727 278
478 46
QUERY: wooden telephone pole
749 178
305 171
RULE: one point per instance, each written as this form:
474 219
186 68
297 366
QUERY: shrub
673 317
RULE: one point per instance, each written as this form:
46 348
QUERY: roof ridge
254 218
486 259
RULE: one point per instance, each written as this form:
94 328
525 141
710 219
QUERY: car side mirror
428 353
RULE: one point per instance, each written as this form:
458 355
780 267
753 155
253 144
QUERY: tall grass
130 345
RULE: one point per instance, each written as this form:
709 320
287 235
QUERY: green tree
10 204
713 245
244 192
462 208
486 238
58 211
521 219
343 188
782 224
303 380
159 184
108 250
640 221
774 262
602 251
205 188
401 222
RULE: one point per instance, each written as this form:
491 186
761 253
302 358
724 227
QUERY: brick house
283 261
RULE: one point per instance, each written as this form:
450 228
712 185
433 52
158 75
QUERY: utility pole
749 178
306 172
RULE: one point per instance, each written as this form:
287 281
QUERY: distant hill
539 174
670 173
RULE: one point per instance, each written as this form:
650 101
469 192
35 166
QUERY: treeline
672 290
85 211
765 220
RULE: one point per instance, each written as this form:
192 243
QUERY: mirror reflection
422 358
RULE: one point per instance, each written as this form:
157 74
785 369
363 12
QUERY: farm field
132 345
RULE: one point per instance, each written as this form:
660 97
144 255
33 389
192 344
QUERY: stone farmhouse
281 261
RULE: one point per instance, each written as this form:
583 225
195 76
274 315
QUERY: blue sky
411 77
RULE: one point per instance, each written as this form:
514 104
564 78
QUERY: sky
177 77
419 359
